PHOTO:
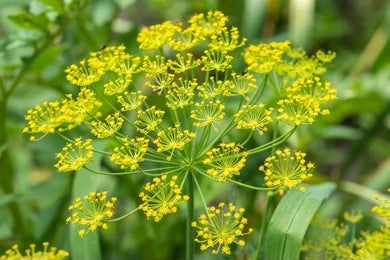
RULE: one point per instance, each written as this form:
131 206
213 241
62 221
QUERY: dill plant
189 66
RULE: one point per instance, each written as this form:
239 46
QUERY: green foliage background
39 38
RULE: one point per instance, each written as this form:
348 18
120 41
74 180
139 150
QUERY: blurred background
39 38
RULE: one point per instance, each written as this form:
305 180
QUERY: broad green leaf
88 247
29 21
56 5
291 219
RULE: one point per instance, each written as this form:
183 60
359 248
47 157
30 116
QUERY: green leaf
88 247
29 21
56 5
291 219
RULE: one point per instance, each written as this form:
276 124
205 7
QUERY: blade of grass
88 247
291 219
301 17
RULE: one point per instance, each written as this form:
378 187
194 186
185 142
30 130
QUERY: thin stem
122 217
189 219
72 141
273 143
249 186
259 91
248 138
200 193
2 89
263 227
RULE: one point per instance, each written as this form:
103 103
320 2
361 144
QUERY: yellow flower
353 217
161 197
131 153
182 63
209 113
45 118
48 253
325 57
172 139
240 85
74 155
220 228
131 101
225 161
383 210
91 212
83 75
105 129
211 88
154 66
160 82
253 117
264 58
213 23
155 36
180 94
216 60
185 40
226 40
286 170
117 85
149 119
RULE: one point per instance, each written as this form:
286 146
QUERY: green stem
263 228
248 138
122 217
190 217
250 186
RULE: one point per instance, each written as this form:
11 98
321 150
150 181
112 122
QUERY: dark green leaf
29 21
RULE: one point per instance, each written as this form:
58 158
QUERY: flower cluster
286 169
74 155
221 227
48 253
91 212
187 128
161 197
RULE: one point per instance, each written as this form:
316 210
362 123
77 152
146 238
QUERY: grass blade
291 219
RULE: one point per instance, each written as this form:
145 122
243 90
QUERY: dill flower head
108 128
161 197
225 161
226 40
149 119
182 63
220 228
74 155
265 57
240 85
208 113
205 25
157 35
216 60
173 139
45 118
90 212
211 89
286 169
83 75
253 117
131 101
131 153
383 209
48 253
353 217
180 94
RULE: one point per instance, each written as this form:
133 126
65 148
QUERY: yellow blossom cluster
225 161
221 227
286 169
254 117
74 155
131 153
175 109
161 197
105 129
48 253
91 212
